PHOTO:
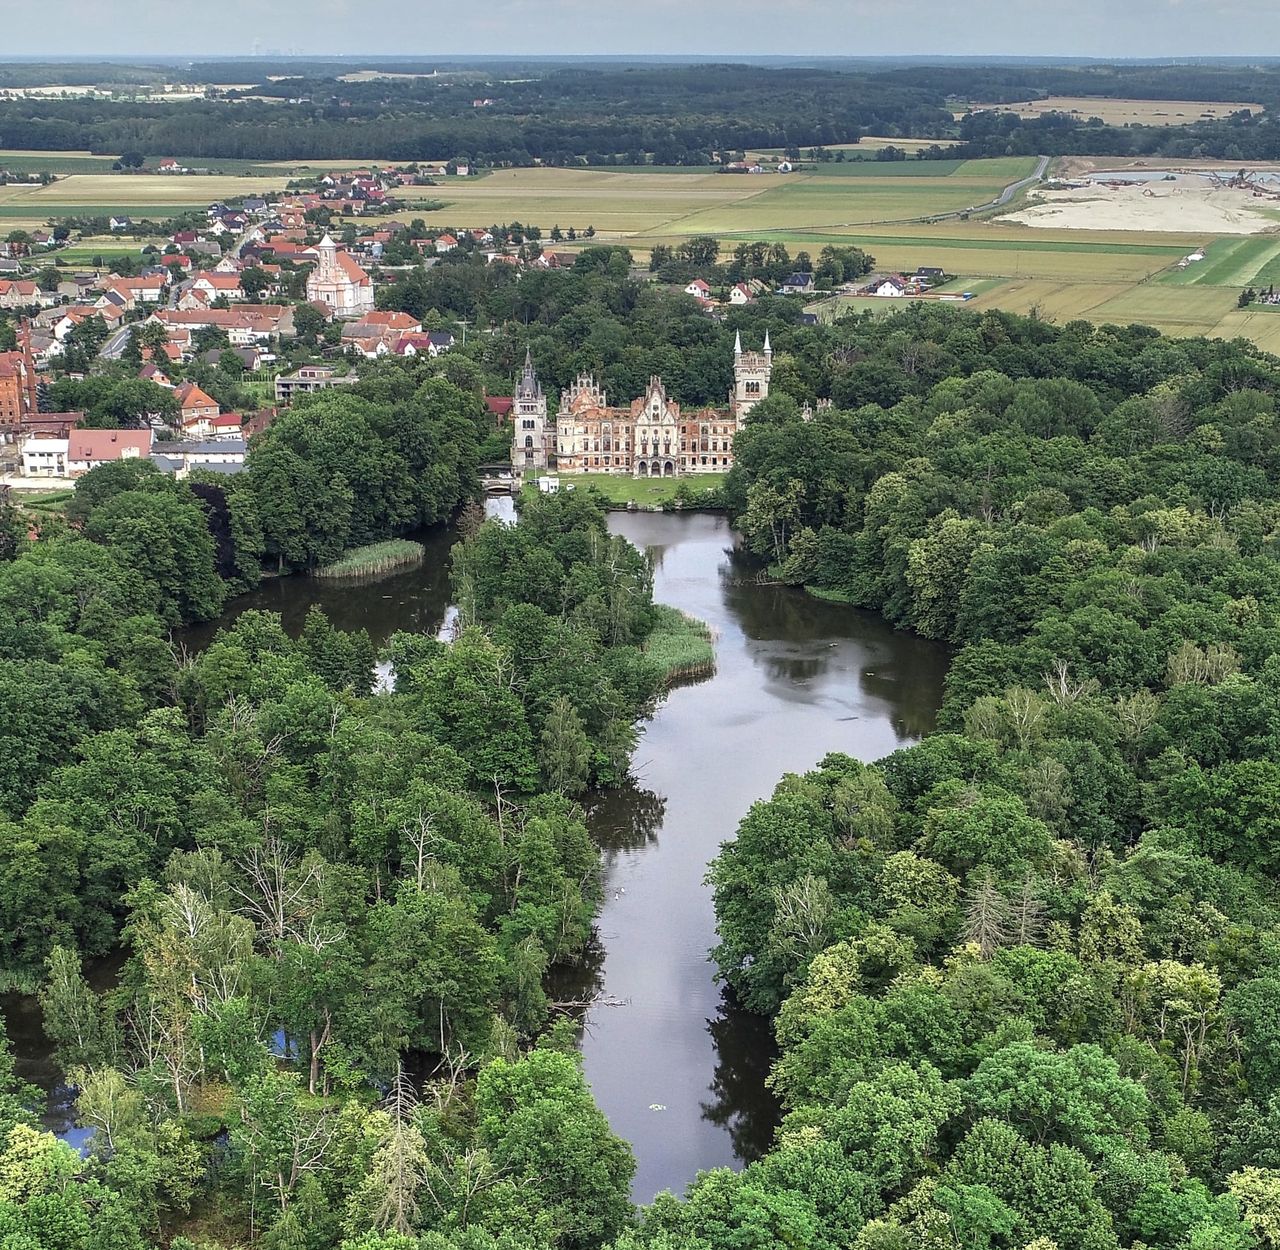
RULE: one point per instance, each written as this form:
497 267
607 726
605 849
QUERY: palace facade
650 437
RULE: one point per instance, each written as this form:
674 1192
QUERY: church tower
751 374
327 265
530 441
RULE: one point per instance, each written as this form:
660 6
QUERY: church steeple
328 251
737 344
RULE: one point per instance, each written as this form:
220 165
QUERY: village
239 288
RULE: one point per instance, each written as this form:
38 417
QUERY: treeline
1025 974
672 115
597 318
1059 134
666 115
1013 84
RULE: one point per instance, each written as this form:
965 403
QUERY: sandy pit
1187 205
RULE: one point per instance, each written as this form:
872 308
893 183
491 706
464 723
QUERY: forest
556 114
1024 975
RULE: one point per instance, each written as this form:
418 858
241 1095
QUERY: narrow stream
679 1070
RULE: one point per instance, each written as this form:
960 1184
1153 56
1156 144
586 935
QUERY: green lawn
621 489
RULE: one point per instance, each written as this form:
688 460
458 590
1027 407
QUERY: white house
81 451
892 287
699 289
741 294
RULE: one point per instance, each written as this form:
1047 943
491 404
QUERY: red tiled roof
390 320
191 396
107 444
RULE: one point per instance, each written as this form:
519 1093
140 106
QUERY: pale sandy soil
1187 206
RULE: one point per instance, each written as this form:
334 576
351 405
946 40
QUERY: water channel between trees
679 1071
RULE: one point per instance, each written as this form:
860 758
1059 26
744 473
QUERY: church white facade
339 282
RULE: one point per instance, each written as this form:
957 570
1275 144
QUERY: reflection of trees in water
413 600
742 1104
626 818
900 670
578 981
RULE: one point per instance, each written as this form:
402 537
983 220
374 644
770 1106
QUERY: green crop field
881 206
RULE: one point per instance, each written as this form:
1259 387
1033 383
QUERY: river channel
679 1071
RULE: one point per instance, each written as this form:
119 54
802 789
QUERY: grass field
618 488
1125 112
25 205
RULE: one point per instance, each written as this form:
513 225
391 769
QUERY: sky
1099 28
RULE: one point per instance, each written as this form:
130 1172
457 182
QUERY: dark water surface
676 1067
678 1070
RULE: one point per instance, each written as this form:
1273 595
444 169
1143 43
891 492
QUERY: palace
651 437
338 281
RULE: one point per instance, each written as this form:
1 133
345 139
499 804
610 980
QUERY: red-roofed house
500 405
227 425
214 284
19 293
198 410
404 322
445 243
82 450
698 289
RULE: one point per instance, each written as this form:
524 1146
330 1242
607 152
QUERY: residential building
19 293
214 283
218 456
309 379
196 410
245 324
81 450
433 343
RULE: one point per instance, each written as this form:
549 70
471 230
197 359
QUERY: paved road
1010 191
115 345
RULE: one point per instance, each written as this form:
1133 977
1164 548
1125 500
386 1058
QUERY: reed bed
376 558
680 647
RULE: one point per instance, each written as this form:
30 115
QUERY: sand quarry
1189 204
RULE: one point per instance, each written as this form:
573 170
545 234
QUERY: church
650 437
338 282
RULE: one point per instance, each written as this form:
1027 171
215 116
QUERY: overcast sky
1104 28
